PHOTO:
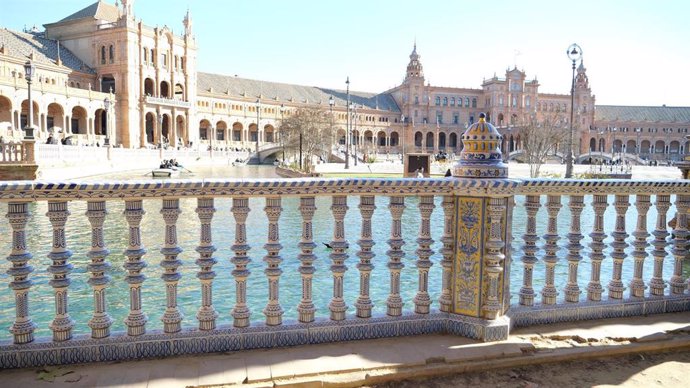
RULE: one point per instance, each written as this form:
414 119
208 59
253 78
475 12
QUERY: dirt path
638 370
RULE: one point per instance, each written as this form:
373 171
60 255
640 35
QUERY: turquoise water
78 240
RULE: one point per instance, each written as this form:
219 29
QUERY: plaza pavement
358 363
515 170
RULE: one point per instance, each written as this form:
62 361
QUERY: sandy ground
638 370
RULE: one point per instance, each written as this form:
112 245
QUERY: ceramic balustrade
637 279
476 213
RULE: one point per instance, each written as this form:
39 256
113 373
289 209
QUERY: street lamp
347 127
160 130
106 106
355 138
258 119
574 54
402 137
331 103
29 70
282 140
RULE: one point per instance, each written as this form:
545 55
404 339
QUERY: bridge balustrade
451 251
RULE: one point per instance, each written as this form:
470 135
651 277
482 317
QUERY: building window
500 100
474 102
456 118
164 60
452 101
153 56
111 53
467 102
514 102
527 101
438 100
445 101
439 117
146 55
102 55
416 100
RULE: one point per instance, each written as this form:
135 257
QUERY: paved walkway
358 363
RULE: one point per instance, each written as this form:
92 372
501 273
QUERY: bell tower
584 105
414 68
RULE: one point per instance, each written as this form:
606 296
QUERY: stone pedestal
480 268
18 172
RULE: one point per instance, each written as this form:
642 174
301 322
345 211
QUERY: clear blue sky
637 52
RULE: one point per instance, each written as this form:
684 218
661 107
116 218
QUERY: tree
541 138
313 126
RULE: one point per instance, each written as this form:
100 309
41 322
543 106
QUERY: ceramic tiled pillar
479 270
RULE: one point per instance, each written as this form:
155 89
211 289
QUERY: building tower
584 108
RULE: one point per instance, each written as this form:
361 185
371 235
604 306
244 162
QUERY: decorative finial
481 155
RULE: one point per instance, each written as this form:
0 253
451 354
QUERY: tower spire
414 67
187 22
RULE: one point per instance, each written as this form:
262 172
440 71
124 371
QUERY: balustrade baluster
640 244
494 258
532 204
23 327
273 311
240 313
172 317
306 307
206 315
100 322
680 242
136 320
549 292
422 301
656 283
572 290
60 269
366 209
594 288
448 251
338 255
619 235
395 254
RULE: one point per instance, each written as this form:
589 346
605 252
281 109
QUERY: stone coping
107 190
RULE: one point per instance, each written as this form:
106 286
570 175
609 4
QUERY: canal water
78 232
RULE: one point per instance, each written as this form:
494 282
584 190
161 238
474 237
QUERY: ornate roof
680 114
21 44
242 87
99 10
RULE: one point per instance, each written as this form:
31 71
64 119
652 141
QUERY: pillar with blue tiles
480 271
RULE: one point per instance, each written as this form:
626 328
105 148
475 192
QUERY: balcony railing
168 101
405 256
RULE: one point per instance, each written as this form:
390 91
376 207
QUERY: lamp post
401 138
258 119
574 54
347 126
282 140
331 103
29 70
355 138
106 106
613 143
